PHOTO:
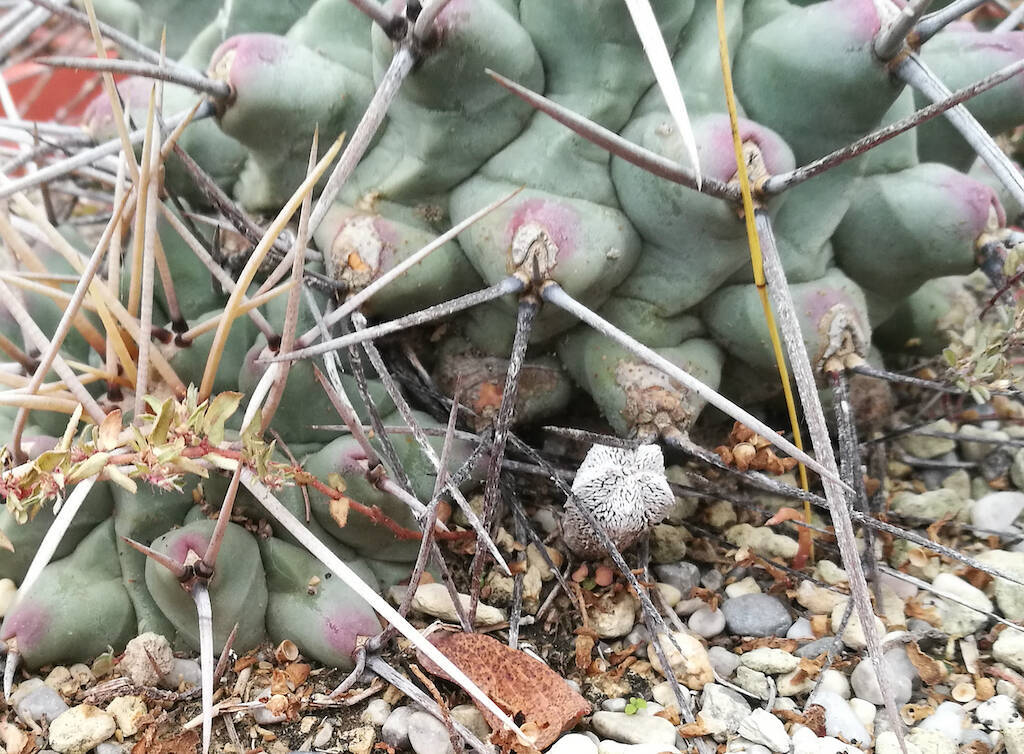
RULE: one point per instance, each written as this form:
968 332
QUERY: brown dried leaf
338 508
297 672
108 431
931 670
584 648
517 683
186 743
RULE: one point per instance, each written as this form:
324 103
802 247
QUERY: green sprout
635 704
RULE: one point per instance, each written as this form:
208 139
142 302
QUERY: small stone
722 710
669 594
930 506
960 482
686 608
358 740
794 683
805 742
614 747
931 741
764 728
683 576
613 617
573 743
743 586
976 451
147 658
376 713
1009 648
127 712
801 629
840 719
712 580
109 747
183 671
1017 469
830 573
323 735
395 731
948 719
34 700
1013 738
633 729
816 648
762 540
618 704
753 682
959 620
769 660
427 735
434 600
473 719
887 743
721 514
668 543
707 622
853 635
836 682
723 661
690 663
925 446
817 599
900 675
1009 596
998 511
81 728
997 712
756 615
864 710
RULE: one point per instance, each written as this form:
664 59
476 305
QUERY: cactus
875 242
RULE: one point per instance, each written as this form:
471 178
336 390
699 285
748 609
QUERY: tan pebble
964 692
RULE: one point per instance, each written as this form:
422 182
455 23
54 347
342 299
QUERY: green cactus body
922 221
570 203
684 230
960 56
920 321
637 399
238 593
311 607
321 94
831 311
78 607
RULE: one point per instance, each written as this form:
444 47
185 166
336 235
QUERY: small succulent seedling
634 705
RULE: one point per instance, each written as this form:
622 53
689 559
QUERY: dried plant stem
892 38
835 490
377 109
610 141
557 296
176 75
403 408
291 313
85 157
222 277
146 212
1012 20
527 312
935 22
369 595
776 184
431 313
124 41
253 264
13 352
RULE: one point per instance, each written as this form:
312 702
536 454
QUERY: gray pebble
427 735
38 702
840 719
815 648
573 743
707 622
899 678
395 731
614 705
376 713
683 576
723 661
712 580
633 729
997 713
756 615
109 747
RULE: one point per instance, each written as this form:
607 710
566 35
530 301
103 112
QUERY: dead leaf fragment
931 670
523 687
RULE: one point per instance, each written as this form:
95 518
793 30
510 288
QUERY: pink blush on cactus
191 540
28 622
341 629
560 221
